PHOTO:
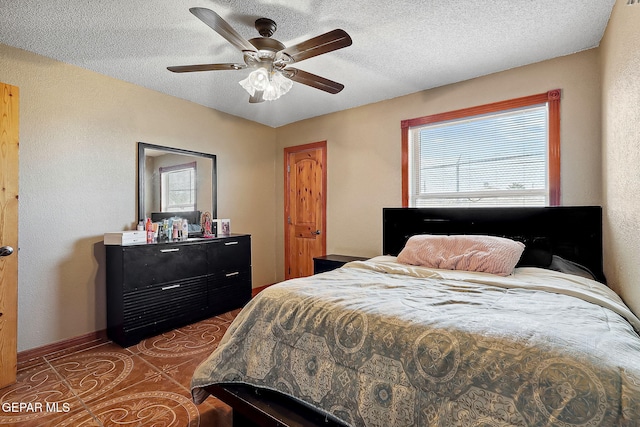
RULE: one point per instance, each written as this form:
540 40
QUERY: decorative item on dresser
332 261
157 287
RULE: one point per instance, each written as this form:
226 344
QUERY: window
178 188
501 154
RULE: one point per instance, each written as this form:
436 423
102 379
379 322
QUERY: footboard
253 406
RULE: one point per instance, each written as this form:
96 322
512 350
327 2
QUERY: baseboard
33 353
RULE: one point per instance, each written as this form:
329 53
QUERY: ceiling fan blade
313 80
324 43
221 26
256 97
205 67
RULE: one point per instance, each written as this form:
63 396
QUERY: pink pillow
488 254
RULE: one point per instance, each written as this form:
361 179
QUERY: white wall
78 178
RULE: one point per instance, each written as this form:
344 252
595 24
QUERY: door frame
9 177
287 202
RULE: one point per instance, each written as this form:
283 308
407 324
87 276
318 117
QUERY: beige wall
620 58
364 164
78 163
78 167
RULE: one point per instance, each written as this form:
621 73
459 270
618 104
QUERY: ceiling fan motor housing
266 27
265 54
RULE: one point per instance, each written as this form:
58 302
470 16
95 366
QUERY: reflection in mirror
171 180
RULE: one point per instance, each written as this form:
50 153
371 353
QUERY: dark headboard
571 232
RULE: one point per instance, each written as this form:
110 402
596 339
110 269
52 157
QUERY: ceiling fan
269 58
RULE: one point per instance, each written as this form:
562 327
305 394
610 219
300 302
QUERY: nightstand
331 262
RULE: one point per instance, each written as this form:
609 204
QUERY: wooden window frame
552 98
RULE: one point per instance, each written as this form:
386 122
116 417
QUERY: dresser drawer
225 278
152 264
229 290
230 254
175 302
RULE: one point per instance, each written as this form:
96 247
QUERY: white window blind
498 159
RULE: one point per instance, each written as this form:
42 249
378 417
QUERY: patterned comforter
377 343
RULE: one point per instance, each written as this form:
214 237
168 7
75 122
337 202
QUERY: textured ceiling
399 47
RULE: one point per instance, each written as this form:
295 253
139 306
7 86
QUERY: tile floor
102 384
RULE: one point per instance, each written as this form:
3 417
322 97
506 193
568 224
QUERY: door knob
316 232
6 251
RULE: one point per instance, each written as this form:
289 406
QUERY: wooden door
305 207
8 233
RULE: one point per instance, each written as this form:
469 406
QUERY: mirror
174 180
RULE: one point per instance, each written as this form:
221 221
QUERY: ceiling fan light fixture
271 93
247 86
273 85
282 83
259 79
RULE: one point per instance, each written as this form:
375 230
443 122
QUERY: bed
385 343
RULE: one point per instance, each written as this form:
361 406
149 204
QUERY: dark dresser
154 288
331 262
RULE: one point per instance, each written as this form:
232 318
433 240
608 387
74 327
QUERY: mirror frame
142 146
